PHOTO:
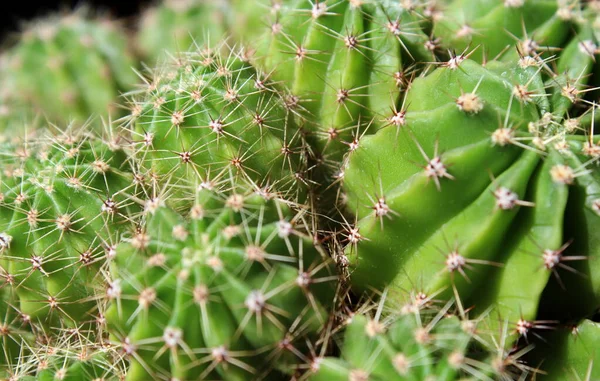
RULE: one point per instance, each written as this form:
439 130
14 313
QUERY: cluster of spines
64 196
224 290
424 339
207 113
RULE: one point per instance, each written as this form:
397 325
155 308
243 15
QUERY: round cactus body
177 26
234 290
207 114
71 67
344 61
63 197
471 197
419 342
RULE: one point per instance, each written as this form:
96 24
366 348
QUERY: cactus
420 342
71 67
208 113
63 198
570 353
176 26
473 190
15 335
533 25
13 111
224 292
344 61
73 355
191 248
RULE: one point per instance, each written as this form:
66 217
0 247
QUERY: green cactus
63 198
572 355
473 190
494 27
176 26
206 114
233 290
71 67
344 61
79 361
73 355
421 342
15 332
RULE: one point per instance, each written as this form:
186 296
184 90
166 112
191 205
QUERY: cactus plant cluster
69 67
341 190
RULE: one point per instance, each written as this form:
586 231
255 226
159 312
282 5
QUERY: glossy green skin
257 138
72 68
573 354
364 68
179 26
53 267
493 23
375 354
204 286
409 250
580 293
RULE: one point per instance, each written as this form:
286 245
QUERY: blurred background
13 13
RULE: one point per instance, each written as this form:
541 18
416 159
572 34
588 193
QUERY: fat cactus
473 189
423 341
209 113
190 245
63 199
176 26
233 290
71 67
344 61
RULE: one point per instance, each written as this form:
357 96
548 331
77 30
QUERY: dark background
12 13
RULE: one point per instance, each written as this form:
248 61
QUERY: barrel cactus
423 341
344 61
176 26
63 199
71 67
477 186
206 113
235 289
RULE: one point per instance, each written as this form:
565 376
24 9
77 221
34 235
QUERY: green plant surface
176 26
71 67
570 354
423 341
234 290
63 199
472 196
206 114
343 61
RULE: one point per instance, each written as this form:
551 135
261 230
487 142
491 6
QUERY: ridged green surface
422 342
233 290
574 354
71 67
343 61
177 26
207 114
63 199
474 203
